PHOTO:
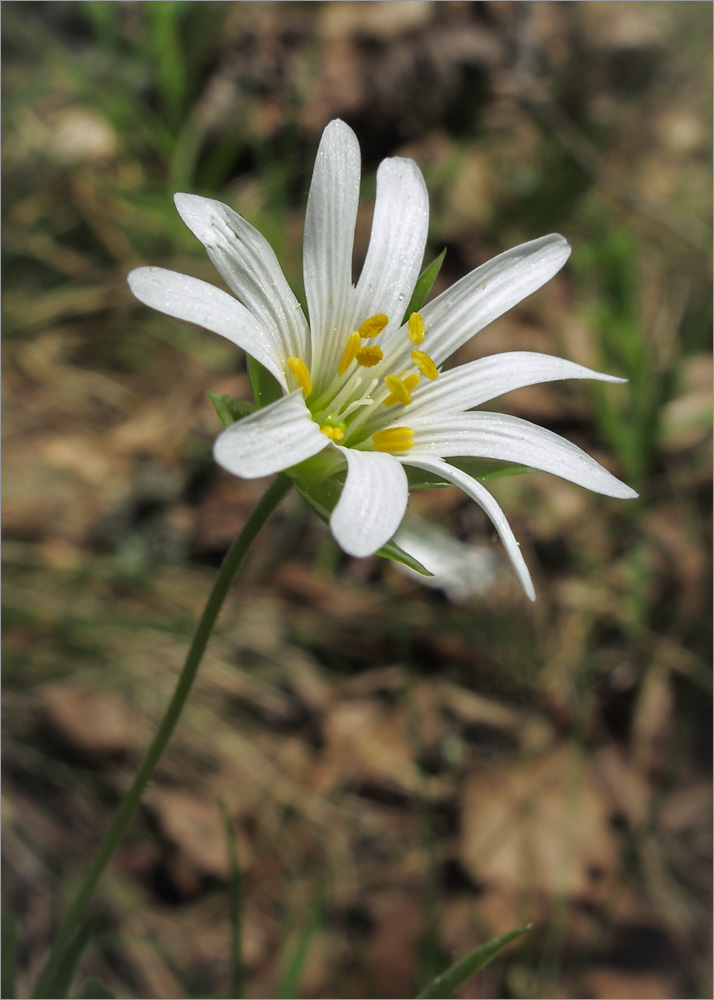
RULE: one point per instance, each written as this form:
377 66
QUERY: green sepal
10 945
94 989
230 410
321 496
264 386
424 285
481 469
453 979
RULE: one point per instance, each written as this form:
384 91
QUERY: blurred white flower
360 384
460 569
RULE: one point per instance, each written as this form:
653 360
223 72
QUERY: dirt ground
409 770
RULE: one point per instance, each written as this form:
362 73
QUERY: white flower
358 384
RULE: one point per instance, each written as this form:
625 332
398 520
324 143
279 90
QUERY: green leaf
424 285
453 979
230 410
10 944
265 387
481 469
61 983
94 989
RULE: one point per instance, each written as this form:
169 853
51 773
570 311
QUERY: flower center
349 409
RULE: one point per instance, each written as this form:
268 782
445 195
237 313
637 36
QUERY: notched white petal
480 381
247 263
397 242
270 440
483 498
490 291
329 236
196 301
372 504
511 439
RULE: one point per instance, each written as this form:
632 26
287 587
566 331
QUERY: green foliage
453 979
94 989
230 410
8 958
235 888
297 956
55 981
424 285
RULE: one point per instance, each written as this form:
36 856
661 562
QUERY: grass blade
236 908
10 945
454 978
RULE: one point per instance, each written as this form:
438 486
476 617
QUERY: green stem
265 507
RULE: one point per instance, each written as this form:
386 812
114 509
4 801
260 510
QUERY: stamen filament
393 439
425 364
349 353
302 374
373 326
416 328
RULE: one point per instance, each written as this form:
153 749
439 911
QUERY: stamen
425 365
369 356
373 326
410 382
393 439
398 388
349 353
302 375
416 328
333 433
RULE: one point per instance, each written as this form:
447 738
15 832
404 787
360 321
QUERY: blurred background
408 770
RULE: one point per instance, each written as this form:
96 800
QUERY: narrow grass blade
236 908
60 984
94 989
424 285
454 978
10 944
297 957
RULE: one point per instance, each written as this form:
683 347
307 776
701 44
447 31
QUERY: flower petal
372 504
270 440
329 237
499 436
246 262
197 301
480 381
484 499
396 246
488 292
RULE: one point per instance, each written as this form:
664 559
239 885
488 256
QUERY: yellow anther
425 365
349 353
333 433
302 375
410 382
369 356
416 328
398 388
393 439
373 326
